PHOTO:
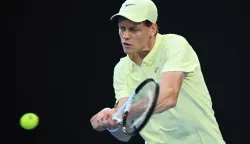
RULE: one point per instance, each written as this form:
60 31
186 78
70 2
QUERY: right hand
103 120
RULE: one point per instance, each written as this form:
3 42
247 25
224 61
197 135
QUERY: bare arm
170 84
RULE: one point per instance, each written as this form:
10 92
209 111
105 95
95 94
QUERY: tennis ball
29 121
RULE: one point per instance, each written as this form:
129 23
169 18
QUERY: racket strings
140 106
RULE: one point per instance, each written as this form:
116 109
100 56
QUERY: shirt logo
156 69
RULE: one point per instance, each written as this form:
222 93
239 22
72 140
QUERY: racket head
146 95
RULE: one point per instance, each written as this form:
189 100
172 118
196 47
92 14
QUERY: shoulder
122 65
174 42
173 38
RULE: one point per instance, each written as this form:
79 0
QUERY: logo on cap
129 5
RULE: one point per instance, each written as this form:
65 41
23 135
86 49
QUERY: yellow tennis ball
29 121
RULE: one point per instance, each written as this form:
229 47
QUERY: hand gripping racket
139 107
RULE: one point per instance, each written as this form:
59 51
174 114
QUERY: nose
125 35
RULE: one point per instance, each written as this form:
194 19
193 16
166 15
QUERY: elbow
163 107
172 103
166 104
167 100
172 100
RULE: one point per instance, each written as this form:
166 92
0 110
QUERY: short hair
147 23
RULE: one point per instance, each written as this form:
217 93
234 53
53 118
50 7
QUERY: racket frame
126 106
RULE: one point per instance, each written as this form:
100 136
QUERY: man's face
134 36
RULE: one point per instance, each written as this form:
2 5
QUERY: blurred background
65 52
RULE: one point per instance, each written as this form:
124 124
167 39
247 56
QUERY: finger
96 124
93 122
100 125
105 123
113 123
92 119
100 120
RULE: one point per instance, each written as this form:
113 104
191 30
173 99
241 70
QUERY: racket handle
117 119
117 114
124 107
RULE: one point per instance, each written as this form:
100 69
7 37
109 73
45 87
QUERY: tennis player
184 113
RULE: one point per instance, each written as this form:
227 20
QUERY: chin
128 52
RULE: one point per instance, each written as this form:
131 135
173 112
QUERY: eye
122 28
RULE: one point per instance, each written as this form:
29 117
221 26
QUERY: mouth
126 44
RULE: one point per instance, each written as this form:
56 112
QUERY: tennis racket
139 107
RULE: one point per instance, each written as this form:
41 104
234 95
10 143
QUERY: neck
142 54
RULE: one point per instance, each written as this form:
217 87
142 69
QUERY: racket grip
117 119
124 107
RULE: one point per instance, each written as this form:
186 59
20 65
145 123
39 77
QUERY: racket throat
125 119
125 124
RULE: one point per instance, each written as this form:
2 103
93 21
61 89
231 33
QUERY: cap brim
129 16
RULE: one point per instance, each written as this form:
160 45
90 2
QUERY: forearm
166 100
120 135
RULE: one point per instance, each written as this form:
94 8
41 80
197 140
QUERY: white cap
138 11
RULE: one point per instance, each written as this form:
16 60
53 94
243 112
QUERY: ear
153 29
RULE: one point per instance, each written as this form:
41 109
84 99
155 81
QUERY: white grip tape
124 107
